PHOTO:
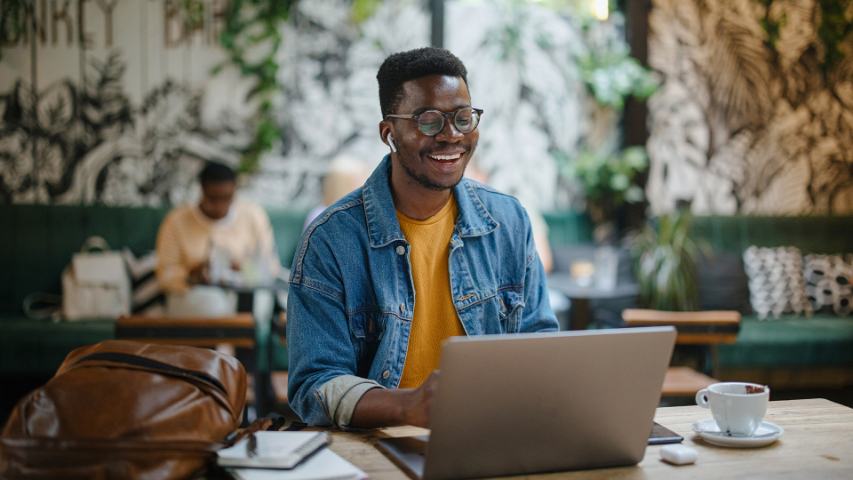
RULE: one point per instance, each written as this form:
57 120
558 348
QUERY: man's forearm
381 407
402 406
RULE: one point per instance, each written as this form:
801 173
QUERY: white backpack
96 283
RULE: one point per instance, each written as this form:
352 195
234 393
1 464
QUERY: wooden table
818 443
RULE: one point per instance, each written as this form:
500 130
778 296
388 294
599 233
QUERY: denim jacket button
386 374
402 308
401 250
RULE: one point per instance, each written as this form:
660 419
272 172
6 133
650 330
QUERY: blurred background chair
699 330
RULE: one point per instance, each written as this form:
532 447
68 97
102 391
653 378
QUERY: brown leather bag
122 409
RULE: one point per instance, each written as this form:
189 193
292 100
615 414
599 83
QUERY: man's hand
406 406
419 402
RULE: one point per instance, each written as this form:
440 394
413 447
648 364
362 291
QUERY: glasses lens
466 119
430 122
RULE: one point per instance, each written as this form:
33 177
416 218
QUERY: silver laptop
512 404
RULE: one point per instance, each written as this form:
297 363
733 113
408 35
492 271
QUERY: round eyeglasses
430 122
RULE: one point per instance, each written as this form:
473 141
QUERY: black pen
252 447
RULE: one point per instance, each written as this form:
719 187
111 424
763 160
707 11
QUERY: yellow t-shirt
435 316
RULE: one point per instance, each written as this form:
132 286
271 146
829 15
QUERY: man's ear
386 136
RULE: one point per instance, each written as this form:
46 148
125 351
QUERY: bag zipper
165 368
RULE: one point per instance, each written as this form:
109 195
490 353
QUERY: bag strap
95 243
211 384
154 365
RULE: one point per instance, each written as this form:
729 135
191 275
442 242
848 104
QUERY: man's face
216 198
434 162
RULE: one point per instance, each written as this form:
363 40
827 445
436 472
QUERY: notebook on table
515 404
272 449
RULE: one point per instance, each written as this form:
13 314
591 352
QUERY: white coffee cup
737 407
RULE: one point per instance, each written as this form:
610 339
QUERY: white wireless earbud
391 143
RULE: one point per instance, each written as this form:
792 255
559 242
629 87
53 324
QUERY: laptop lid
511 404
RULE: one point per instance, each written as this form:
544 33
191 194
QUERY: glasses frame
445 116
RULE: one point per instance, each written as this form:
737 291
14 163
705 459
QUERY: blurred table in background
580 296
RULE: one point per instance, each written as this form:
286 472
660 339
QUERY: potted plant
666 258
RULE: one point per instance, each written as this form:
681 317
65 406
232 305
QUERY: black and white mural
111 102
752 117
330 100
114 102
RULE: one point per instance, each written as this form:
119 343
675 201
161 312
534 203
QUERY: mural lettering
68 23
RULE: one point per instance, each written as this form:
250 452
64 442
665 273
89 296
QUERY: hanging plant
251 38
608 179
613 77
364 9
609 183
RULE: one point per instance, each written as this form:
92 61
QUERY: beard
425 181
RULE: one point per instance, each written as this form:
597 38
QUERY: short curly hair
403 66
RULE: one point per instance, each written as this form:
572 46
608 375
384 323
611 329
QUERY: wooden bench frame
707 328
237 330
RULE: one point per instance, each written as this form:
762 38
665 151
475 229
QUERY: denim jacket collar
474 218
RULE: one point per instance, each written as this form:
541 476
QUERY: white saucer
765 434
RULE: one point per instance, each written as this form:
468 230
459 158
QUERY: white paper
323 465
274 449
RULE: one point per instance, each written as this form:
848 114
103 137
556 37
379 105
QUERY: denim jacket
351 297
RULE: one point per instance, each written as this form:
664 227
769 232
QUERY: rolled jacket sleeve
341 394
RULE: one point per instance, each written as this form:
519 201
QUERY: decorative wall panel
746 122
114 101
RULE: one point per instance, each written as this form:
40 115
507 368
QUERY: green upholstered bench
790 341
37 243
37 347
793 351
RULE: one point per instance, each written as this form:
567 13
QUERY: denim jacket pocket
366 329
510 306
365 324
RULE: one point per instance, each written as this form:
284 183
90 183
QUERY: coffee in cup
737 407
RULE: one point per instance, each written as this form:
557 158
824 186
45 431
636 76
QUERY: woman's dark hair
214 172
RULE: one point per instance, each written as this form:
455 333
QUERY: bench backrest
37 241
811 234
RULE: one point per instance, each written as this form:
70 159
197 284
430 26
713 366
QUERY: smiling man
416 255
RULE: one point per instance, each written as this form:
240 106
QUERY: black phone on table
661 435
